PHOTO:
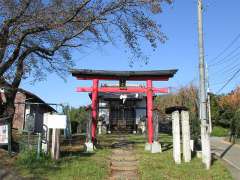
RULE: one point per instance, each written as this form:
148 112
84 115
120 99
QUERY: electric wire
228 81
227 48
231 64
227 56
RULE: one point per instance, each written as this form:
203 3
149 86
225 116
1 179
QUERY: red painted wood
127 90
150 111
94 107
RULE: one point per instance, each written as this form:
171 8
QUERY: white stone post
186 136
99 127
55 144
176 137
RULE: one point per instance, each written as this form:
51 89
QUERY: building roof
126 75
169 110
36 99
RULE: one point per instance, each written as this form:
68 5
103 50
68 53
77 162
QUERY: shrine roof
126 75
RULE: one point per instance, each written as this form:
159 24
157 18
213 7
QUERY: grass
220 131
161 166
78 165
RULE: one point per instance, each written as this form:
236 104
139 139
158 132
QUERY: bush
220 131
28 158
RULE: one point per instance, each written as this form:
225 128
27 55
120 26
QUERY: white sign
55 121
3 134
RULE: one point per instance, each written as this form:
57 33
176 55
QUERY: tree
36 36
78 117
185 96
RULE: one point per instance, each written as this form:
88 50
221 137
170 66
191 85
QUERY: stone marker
176 137
156 146
186 136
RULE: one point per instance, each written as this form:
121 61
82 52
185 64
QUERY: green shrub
28 158
220 131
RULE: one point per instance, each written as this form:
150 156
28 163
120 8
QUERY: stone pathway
229 153
123 162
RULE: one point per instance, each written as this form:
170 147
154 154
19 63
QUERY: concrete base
199 154
148 147
88 147
156 147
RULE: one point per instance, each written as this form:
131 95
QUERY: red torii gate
123 76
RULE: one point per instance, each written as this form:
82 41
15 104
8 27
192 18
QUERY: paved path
123 162
229 153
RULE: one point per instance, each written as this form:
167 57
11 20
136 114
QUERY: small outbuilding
29 111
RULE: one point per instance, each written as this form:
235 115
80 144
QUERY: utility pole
205 141
208 101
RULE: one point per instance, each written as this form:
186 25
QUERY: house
29 111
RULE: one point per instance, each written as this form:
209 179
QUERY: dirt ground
6 164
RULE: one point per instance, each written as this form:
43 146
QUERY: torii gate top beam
157 75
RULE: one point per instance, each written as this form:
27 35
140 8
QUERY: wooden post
10 137
176 137
55 144
186 136
39 146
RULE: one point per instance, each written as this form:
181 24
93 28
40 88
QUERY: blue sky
179 23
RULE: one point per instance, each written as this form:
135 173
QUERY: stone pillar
186 136
156 146
176 137
88 146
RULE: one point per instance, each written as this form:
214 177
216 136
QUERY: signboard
55 121
3 134
30 122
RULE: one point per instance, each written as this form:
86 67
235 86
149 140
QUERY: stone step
123 158
124 163
124 168
122 153
124 175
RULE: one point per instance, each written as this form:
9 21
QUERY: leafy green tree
235 125
78 118
215 109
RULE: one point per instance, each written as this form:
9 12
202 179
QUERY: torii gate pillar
94 108
150 111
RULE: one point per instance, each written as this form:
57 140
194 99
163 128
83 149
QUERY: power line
227 69
227 56
228 81
228 47
228 60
